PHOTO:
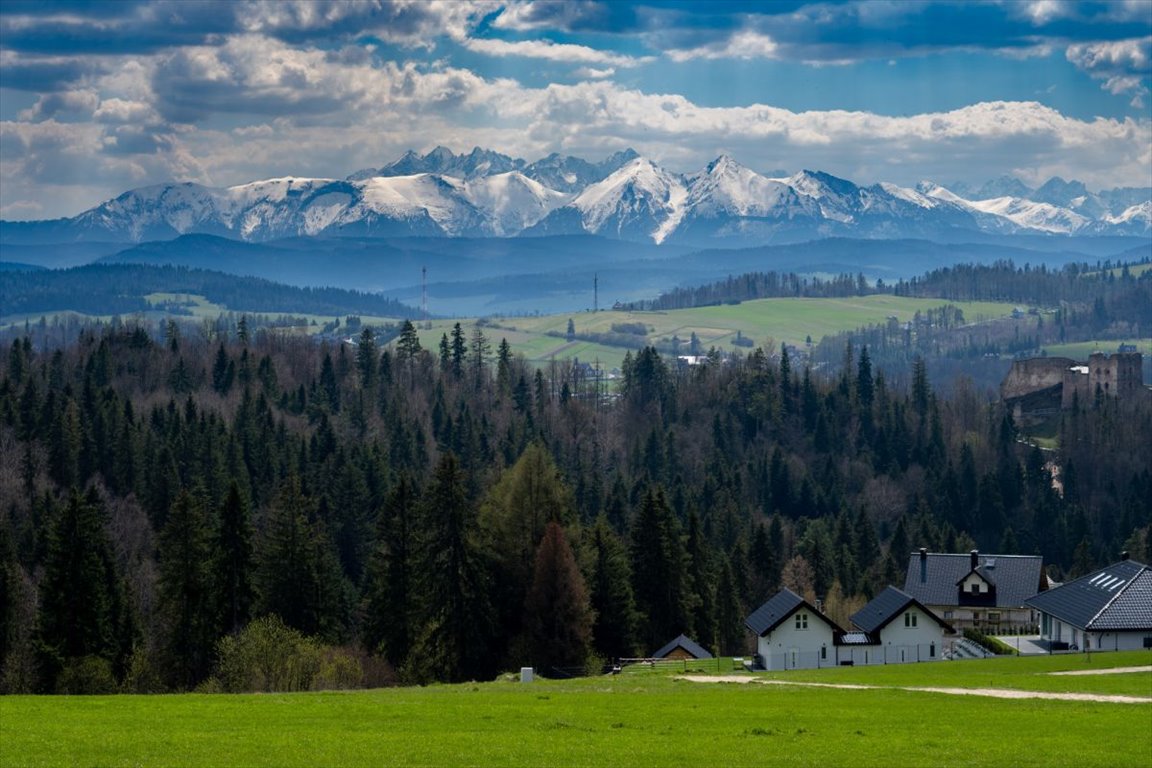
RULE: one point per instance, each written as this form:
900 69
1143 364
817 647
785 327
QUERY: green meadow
626 720
764 321
1080 350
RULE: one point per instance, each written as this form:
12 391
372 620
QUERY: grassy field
764 321
627 720
1081 349
789 321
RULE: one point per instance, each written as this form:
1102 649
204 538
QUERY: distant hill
109 289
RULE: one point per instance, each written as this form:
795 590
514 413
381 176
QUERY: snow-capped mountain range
626 196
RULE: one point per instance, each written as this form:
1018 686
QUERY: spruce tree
186 592
612 600
658 571
389 604
78 602
455 622
233 557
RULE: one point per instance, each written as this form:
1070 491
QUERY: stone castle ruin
1049 383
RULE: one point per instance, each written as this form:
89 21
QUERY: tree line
448 513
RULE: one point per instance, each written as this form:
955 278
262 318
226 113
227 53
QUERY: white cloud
592 73
1123 65
51 104
525 15
546 49
745 44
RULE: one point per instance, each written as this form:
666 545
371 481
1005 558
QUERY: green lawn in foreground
619 721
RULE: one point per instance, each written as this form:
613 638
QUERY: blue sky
98 97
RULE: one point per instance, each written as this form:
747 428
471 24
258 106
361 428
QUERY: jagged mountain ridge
487 194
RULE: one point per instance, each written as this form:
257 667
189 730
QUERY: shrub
268 656
87 676
636 329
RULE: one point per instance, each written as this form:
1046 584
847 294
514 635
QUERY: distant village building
894 628
1107 610
979 591
1049 383
683 647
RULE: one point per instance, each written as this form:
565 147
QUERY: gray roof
1118 597
782 605
1016 577
886 606
688 644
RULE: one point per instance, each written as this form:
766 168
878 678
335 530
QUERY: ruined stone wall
1034 374
1119 375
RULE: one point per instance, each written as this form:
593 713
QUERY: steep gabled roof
933 580
885 607
688 644
782 605
1118 597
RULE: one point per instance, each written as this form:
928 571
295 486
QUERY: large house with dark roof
986 592
894 628
1108 610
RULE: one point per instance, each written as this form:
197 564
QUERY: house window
801 621
974 589
947 614
910 619
932 650
823 652
993 615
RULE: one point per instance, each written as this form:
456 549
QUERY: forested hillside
455 513
122 289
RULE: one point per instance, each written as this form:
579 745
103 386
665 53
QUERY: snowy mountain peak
484 193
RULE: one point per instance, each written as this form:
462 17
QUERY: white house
894 628
1108 610
792 634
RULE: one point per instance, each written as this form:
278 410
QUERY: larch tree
557 615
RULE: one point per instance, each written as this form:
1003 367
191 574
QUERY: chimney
974 558
1124 555
923 564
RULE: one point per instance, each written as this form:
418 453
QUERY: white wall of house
974 585
1053 629
912 627
789 647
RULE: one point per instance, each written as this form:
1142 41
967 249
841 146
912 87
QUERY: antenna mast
595 292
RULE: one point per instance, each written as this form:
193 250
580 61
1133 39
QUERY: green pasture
1080 350
624 720
764 321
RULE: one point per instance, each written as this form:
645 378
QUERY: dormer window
975 589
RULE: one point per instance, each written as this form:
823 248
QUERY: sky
100 97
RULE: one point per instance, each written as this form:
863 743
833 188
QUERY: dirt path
1113 671
995 693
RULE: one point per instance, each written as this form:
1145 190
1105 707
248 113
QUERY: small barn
682 648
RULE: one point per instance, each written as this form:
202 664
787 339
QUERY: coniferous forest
170 503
